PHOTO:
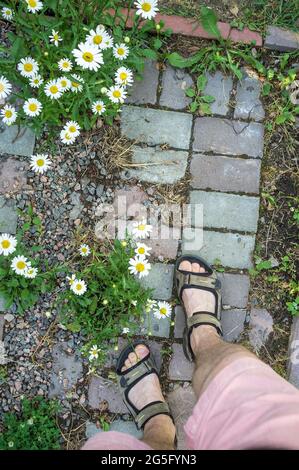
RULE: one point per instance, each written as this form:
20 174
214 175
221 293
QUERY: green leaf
208 98
190 92
193 107
205 108
281 119
93 305
150 54
208 21
74 327
236 71
201 82
157 43
176 60
266 89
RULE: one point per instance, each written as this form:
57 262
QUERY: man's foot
198 300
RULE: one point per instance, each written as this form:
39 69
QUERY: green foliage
200 102
35 429
114 298
208 21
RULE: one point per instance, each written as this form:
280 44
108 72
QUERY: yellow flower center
28 67
8 12
74 84
32 3
123 76
8 113
141 251
63 83
117 94
54 89
84 250
141 227
99 107
163 311
55 37
140 267
98 39
67 136
146 7
79 286
2 87
40 162
65 65
88 56
33 107
21 265
72 129
120 51
5 244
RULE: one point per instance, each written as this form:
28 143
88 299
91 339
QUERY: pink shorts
246 406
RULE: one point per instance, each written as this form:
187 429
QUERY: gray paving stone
127 427
233 324
160 278
67 369
8 216
248 103
157 327
10 144
293 365
179 367
179 321
231 249
226 137
225 173
174 84
13 176
228 211
163 249
181 402
219 86
261 326
155 127
234 289
104 390
145 91
281 39
128 202
158 166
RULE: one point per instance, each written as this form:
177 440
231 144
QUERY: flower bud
104 90
46 54
127 39
158 27
105 302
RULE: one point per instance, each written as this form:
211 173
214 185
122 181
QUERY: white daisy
124 76
94 353
34 5
84 250
125 331
142 249
28 67
141 229
98 37
55 38
66 137
88 56
64 83
79 287
32 107
30 273
8 244
5 87
147 9
40 163
98 107
65 65
139 266
117 94
73 128
71 279
76 83
150 304
36 81
7 13
120 51
53 90
108 42
163 310
9 114
20 264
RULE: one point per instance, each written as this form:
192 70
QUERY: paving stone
160 278
248 103
174 84
231 249
261 326
219 86
225 173
104 390
13 176
157 327
128 202
163 249
127 427
158 166
8 216
226 137
281 39
181 402
145 91
234 289
228 211
155 127
179 367
233 324
246 36
154 347
293 365
67 369
11 144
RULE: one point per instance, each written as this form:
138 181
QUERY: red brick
246 36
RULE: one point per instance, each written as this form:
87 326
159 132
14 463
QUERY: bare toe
196 268
185 266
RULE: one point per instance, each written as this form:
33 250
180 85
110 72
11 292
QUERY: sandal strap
134 375
203 318
149 411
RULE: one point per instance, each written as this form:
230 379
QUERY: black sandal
204 281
